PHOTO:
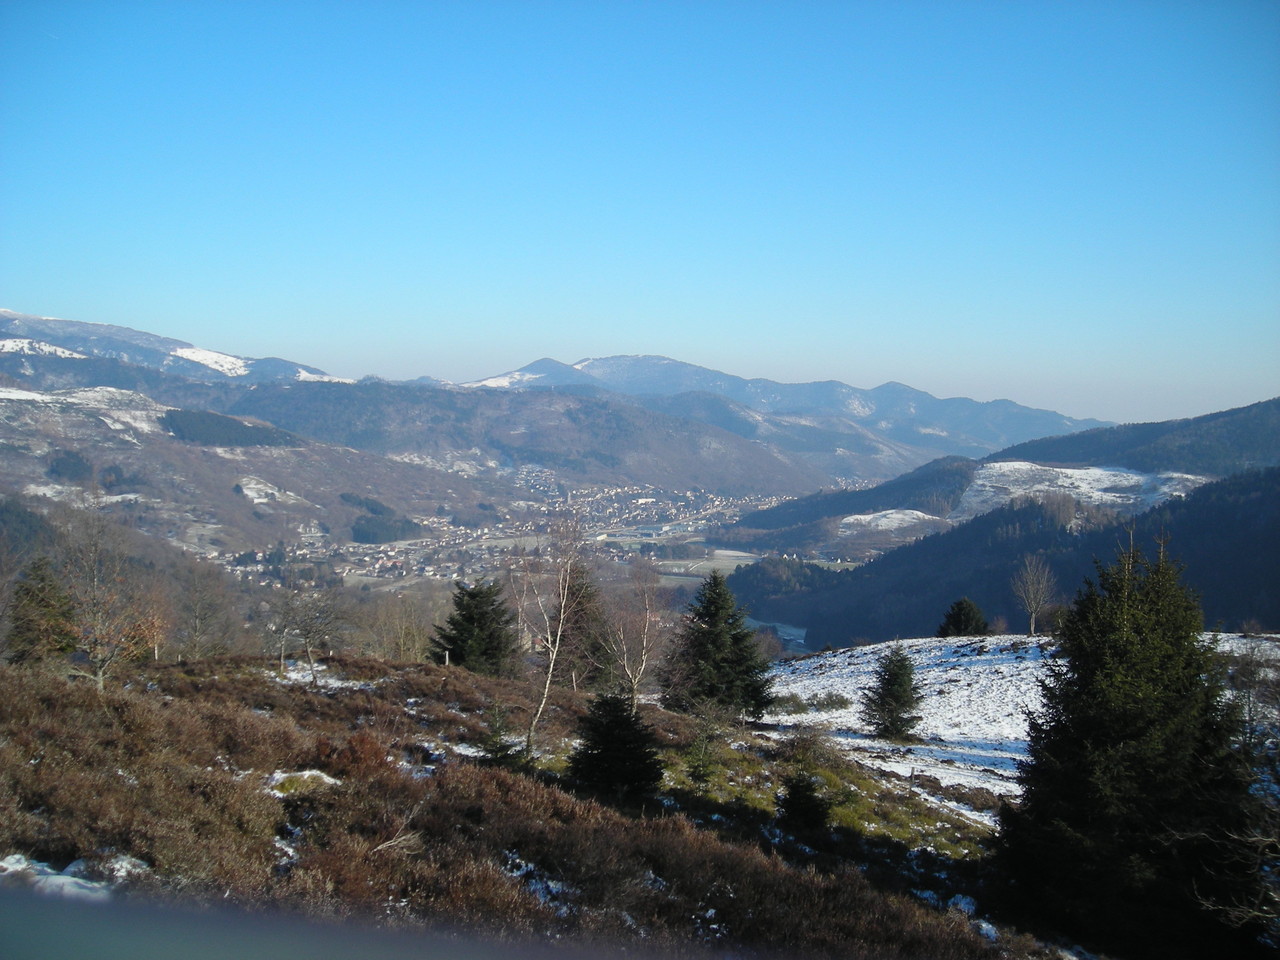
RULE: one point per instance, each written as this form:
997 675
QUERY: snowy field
977 691
973 726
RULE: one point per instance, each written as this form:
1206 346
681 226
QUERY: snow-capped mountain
896 412
75 340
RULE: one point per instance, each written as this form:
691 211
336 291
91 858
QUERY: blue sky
1072 205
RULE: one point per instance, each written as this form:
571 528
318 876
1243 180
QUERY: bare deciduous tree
311 620
1034 586
636 635
401 626
205 619
120 610
543 586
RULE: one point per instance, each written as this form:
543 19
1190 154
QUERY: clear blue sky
1074 205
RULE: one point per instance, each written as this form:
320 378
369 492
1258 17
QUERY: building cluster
616 519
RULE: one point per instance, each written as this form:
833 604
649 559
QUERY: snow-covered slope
36 348
1130 491
35 336
973 725
977 692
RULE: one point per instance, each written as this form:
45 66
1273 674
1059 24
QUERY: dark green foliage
618 753
1225 533
42 616
69 465
887 706
215 430
480 634
800 804
501 748
1217 444
375 507
714 658
1132 792
963 619
22 531
370 529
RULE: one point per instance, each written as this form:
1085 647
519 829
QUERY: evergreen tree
887 705
800 804
1133 791
963 619
618 752
42 615
714 658
480 634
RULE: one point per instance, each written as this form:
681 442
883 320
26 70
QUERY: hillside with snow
976 692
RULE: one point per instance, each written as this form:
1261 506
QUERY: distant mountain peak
76 339
898 412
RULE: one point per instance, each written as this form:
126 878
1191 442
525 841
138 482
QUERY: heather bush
174 770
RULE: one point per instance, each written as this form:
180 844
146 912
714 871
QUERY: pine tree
1133 790
618 753
963 619
480 634
714 658
887 705
42 615
800 804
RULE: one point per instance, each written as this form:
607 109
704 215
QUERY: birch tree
1034 586
543 587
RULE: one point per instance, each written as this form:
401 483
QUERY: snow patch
222 362
29 396
284 783
262 491
995 484
79 881
973 727
306 376
37 348
884 520
506 380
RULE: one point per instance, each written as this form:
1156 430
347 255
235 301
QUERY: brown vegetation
172 766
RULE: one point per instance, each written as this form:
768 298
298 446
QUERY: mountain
1224 532
1127 469
645 421
27 335
209 481
893 411
600 439
1215 445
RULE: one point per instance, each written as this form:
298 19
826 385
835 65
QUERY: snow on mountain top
995 484
37 348
306 376
31 396
505 380
222 362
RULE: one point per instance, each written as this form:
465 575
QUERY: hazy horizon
1074 206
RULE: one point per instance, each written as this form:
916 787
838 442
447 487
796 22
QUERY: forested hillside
1216 445
1224 533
